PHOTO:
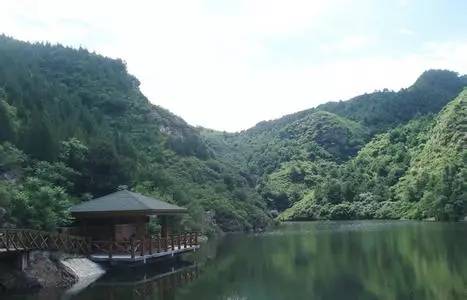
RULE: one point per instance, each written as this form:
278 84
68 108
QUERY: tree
73 153
37 204
10 157
8 120
38 140
105 170
334 191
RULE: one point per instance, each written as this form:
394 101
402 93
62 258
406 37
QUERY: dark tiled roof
126 202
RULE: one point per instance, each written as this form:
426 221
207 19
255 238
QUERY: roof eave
130 212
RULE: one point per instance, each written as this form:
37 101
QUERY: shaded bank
46 270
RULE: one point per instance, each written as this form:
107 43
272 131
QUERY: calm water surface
319 260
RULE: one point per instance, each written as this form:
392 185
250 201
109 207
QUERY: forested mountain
385 109
74 125
312 154
417 170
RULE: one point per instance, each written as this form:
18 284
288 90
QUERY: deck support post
7 242
150 245
132 248
89 245
110 249
23 260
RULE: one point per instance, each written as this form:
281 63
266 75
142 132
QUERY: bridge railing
12 240
27 240
147 246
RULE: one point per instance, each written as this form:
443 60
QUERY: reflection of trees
322 260
334 261
144 284
165 286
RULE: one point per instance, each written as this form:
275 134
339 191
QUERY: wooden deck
142 258
144 249
134 250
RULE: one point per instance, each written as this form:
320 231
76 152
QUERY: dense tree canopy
74 125
345 160
415 170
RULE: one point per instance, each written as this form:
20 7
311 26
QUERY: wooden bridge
22 240
25 240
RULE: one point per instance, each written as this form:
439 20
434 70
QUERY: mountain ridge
74 125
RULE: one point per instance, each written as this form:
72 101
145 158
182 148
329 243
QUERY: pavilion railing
147 246
14 240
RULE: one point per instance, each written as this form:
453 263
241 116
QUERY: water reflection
340 260
156 281
148 282
321 260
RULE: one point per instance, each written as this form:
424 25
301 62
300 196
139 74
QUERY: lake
306 260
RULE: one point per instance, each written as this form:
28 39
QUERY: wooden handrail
29 239
145 246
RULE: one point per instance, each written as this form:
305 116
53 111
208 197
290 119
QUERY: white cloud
205 62
349 43
406 31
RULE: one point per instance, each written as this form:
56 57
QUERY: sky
228 65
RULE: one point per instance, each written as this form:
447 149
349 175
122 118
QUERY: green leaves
77 125
10 157
9 123
37 204
437 177
414 171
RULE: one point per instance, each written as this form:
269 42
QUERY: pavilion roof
126 202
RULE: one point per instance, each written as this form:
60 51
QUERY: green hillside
437 177
301 154
385 109
413 171
74 125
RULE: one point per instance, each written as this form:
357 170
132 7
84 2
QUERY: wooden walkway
24 240
20 240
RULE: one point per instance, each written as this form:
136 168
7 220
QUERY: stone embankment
48 270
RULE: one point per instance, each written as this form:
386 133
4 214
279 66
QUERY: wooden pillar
113 232
132 248
142 227
150 245
82 228
164 227
22 260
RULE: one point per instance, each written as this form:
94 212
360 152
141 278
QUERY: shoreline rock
47 270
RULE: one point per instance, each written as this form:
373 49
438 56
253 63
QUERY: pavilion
117 225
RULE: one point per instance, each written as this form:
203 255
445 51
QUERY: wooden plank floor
128 258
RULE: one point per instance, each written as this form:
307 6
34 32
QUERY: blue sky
230 64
